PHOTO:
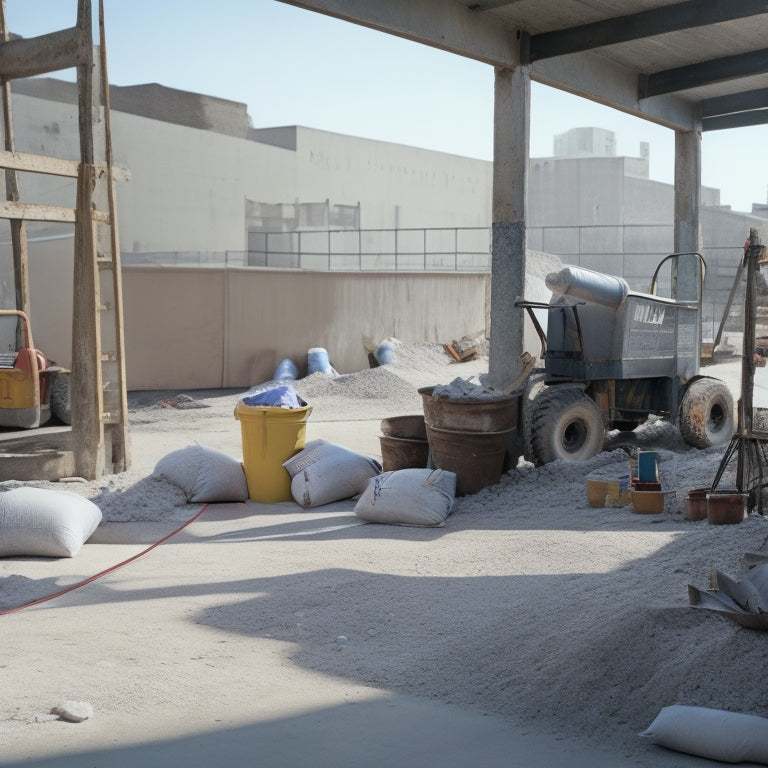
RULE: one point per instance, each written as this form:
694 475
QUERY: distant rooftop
154 101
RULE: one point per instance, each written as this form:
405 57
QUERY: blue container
286 371
317 361
385 353
647 467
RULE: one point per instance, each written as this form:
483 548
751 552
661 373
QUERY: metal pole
456 249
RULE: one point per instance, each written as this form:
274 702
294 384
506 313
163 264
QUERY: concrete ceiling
698 64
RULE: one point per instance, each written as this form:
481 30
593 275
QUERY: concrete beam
455 28
634 26
593 77
451 27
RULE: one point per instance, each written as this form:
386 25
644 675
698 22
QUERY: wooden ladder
98 383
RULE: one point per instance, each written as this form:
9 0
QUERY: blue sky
292 66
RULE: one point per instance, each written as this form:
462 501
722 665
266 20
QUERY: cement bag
324 472
408 497
730 737
45 523
204 474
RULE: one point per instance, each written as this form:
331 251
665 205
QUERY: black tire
59 399
706 413
566 424
534 386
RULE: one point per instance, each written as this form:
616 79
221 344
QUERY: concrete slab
182 665
390 731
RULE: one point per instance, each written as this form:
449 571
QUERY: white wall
202 328
188 186
431 189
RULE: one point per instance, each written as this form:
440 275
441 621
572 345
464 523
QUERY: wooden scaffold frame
98 383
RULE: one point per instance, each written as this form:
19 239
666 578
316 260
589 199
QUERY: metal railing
453 249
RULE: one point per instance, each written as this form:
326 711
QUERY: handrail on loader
529 306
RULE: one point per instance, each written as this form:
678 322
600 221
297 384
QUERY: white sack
730 737
45 523
204 474
324 472
408 497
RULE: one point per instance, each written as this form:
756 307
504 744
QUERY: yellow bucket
270 437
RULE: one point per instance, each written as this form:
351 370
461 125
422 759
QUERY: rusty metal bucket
696 503
403 453
726 508
477 458
410 427
404 443
462 415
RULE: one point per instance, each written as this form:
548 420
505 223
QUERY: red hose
104 572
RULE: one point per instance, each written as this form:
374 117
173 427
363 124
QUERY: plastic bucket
470 415
477 458
647 467
649 502
270 437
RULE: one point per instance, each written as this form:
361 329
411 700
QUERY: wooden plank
34 212
32 56
121 454
86 390
55 166
20 161
31 212
452 352
18 228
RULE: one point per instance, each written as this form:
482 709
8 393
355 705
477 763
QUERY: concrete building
207 188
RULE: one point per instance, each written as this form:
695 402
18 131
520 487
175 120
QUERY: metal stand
749 446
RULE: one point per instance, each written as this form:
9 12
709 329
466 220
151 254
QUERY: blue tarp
283 396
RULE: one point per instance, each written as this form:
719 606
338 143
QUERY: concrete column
687 202
511 128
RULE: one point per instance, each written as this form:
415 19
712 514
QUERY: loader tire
706 413
61 407
565 424
534 386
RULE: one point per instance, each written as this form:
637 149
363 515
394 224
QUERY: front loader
26 378
613 357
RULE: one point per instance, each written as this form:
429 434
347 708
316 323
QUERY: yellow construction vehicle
26 378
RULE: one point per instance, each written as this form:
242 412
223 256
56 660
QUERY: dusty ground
529 611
